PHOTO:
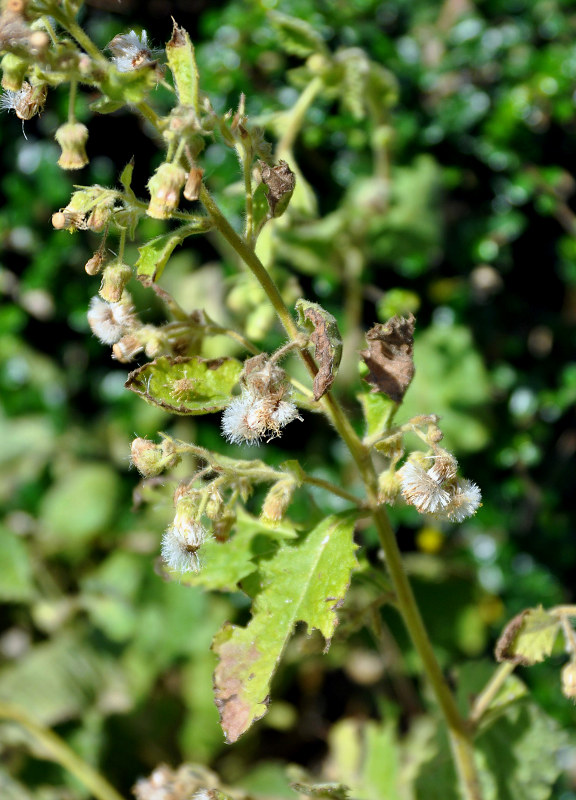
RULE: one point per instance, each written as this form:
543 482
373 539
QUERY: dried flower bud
114 279
38 41
389 486
26 102
127 348
569 680
100 215
278 500
164 187
72 138
151 459
215 505
110 321
95 264
68 220
444 467
193 183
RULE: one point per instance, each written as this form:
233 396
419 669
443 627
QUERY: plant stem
82 38
333 488
57 750
487 695
296 117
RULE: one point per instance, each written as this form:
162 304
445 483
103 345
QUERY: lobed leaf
305 582
182 385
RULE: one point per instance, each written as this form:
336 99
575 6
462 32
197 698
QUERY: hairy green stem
81 37
487 695
296 117
332 487
57 750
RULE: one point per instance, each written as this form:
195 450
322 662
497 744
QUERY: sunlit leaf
529 637
186 385
305 582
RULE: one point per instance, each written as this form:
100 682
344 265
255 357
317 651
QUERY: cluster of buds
264 406
437 490
151 459
89 209
183 539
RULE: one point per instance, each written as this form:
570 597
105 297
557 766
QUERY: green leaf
79 506
155 254
365 756
225 564
378 410
192 385
126 178
104 105
304 583
297 36
326 338
529 637
16 582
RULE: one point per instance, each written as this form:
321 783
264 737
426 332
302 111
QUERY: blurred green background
476 234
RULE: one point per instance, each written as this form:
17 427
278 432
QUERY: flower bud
164 187
127 348
193 183
151 459
114 278
214 506
100 215
569 680
26 102
95 264
13 72
389 486
68 220
277 501
72 138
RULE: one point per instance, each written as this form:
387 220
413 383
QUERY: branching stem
57 750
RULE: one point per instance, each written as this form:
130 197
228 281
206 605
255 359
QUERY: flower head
465 499
249 417
184 538
421 489
130 51
25 102
109 321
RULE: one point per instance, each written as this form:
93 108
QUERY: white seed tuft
109 321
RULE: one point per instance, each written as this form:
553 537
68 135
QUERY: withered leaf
390 356
280 182
327 340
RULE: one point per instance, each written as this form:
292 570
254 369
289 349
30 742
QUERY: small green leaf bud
72 138
569 680
151 459
13 72
164 187
277 501
114 278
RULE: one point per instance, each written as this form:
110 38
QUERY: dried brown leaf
390 356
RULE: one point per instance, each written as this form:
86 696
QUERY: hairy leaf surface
306 582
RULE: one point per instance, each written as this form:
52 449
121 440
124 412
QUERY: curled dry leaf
327 340
390 356
280 182
528 638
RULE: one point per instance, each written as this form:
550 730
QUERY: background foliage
477 236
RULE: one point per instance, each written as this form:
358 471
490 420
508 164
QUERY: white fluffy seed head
130 51
251 417
109 321
181 543
465 500
421 490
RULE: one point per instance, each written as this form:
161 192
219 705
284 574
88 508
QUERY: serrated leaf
326 338
297 36
191 385
304 583
528 638
225 564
